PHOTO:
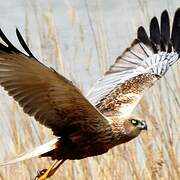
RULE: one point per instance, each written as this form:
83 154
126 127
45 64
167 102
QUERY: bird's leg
44 174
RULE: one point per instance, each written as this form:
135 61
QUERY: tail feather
44 148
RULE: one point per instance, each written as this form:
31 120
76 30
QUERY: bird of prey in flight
91 125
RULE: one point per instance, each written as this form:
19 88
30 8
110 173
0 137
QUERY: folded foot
40 174
45 173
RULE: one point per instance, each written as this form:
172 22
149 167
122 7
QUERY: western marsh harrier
88 126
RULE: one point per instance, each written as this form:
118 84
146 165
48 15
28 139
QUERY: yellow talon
45 173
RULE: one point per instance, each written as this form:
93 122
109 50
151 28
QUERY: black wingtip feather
142 36
10 46
165 30
175 37
159 39
23 44
155 34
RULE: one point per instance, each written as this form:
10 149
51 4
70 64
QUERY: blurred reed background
80 39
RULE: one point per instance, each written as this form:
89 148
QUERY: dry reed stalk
153 156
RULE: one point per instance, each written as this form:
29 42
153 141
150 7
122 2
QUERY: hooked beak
143 125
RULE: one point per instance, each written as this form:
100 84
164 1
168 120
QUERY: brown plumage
88 126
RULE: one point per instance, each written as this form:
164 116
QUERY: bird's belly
73 152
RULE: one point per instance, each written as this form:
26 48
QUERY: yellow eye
135 122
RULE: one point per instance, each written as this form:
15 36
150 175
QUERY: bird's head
134 126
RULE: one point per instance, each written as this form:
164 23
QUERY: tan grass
153 155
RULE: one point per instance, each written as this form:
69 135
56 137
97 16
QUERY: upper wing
136 70
53 100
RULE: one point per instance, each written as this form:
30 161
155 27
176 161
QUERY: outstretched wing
136 70
53 100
